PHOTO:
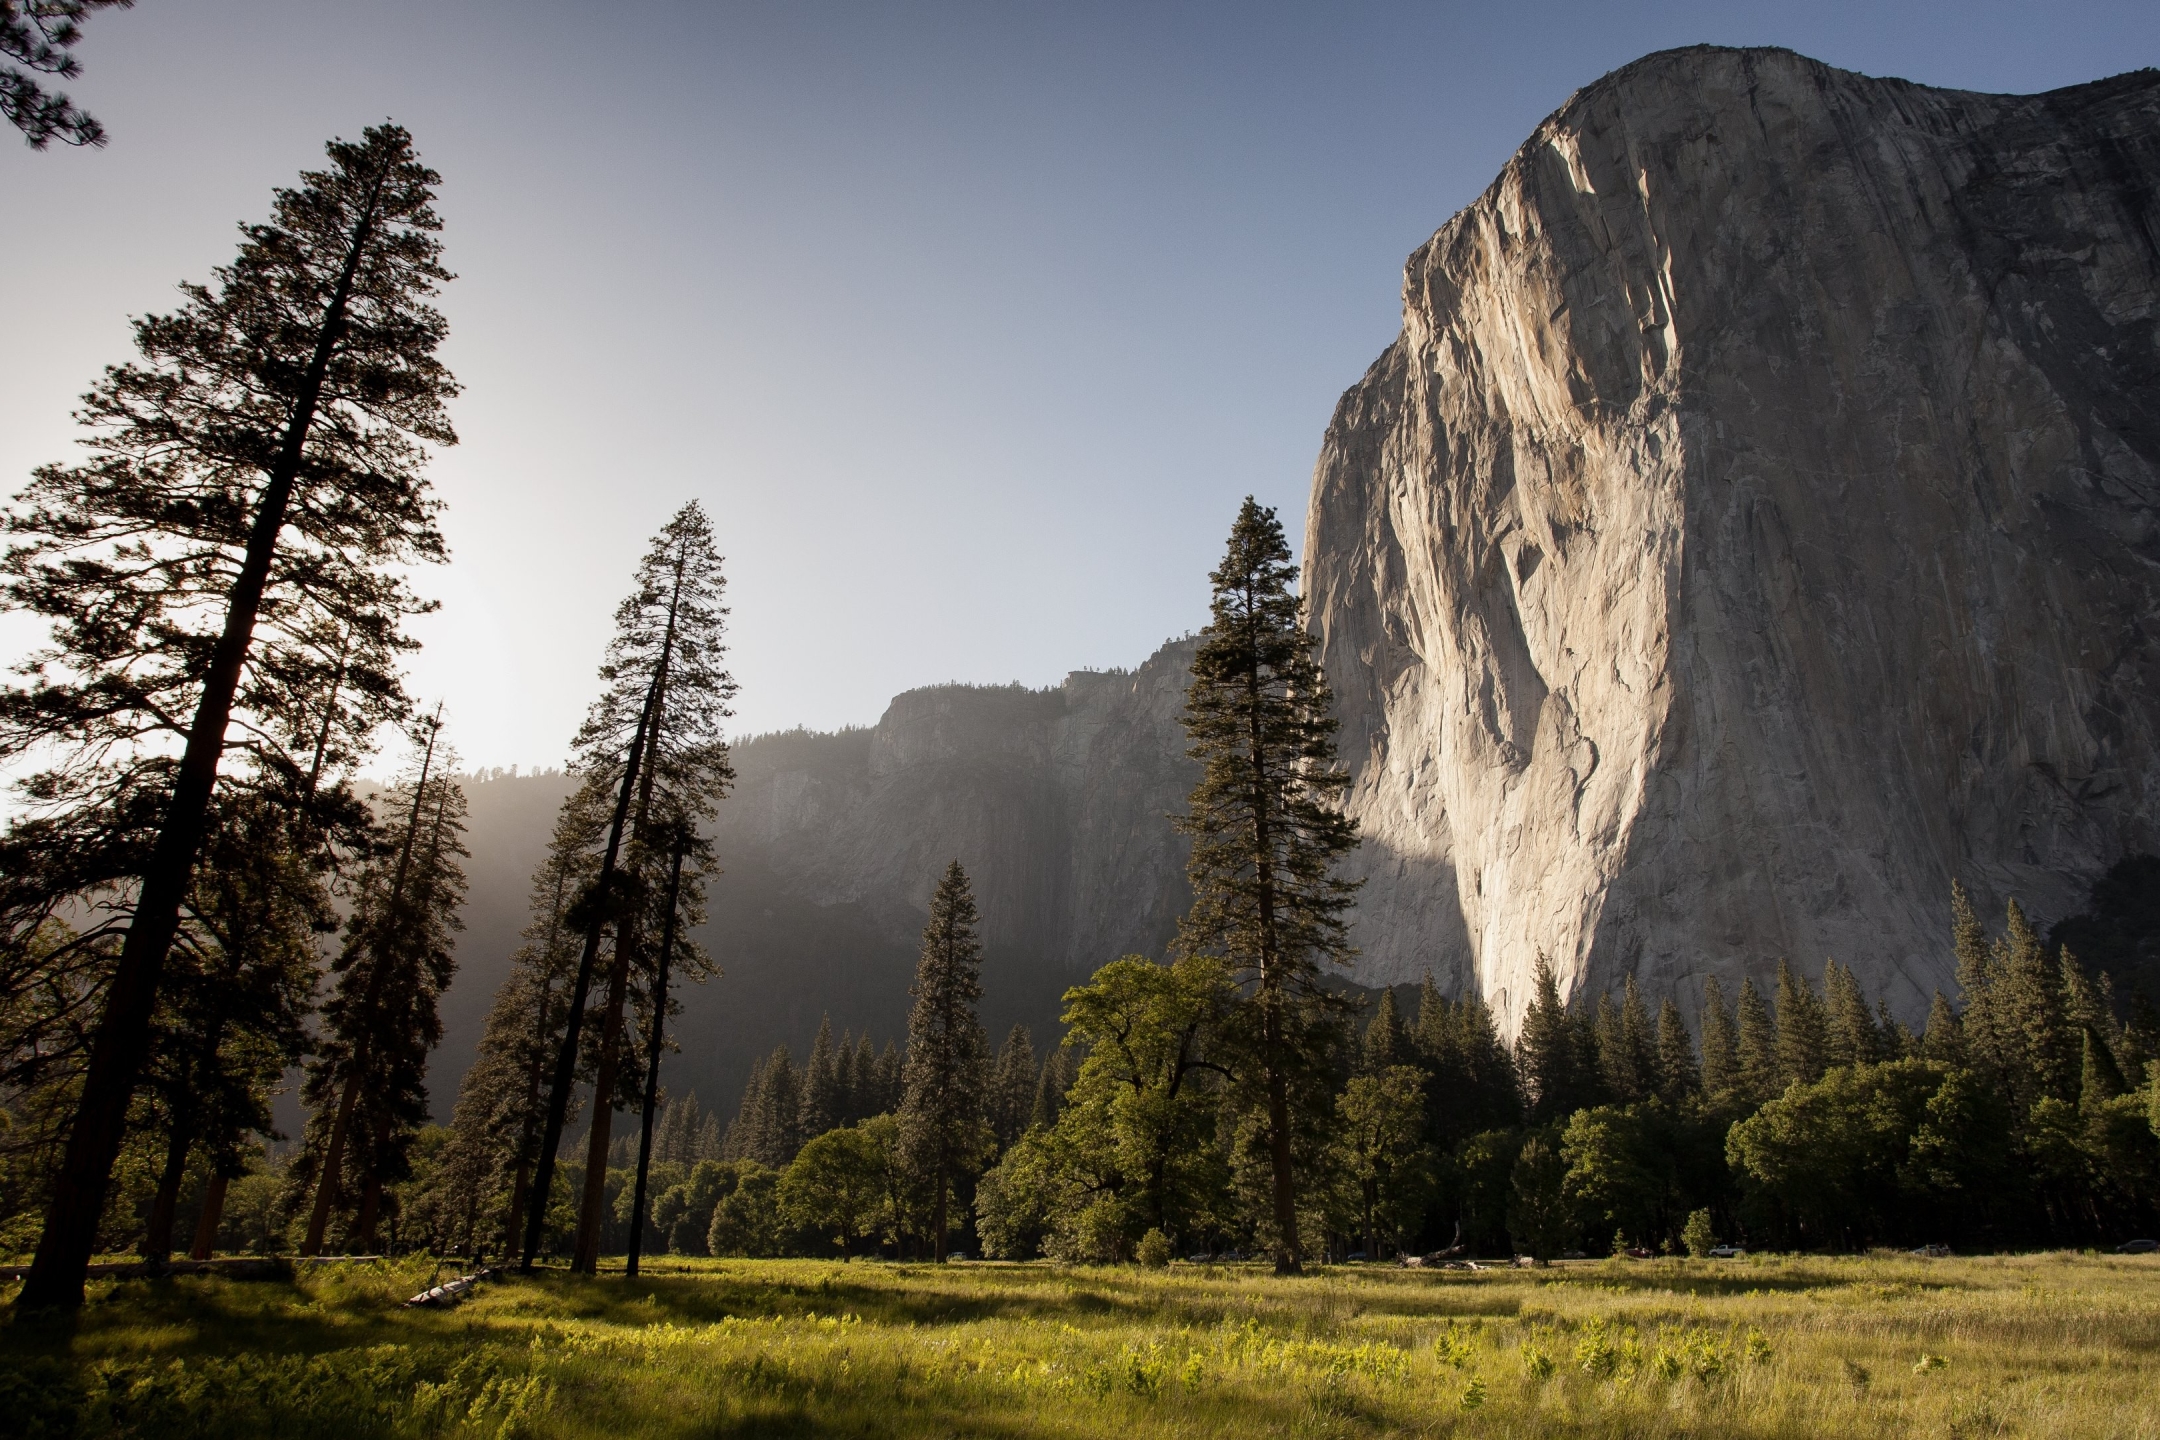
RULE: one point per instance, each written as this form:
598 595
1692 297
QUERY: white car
1726 1252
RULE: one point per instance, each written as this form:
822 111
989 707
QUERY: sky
970 324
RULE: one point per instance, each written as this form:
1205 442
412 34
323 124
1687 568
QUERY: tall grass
2055 1345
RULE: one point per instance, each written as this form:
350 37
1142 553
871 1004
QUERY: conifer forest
1244 1184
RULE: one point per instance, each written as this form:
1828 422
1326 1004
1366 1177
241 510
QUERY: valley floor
2042 1345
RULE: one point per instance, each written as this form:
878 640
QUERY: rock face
1054 800
1753 529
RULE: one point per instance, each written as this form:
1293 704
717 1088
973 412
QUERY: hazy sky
970 324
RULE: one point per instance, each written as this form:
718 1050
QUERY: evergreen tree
41 35
1471 1086
1803 1042
1267 830
889 1080
1757 1049
1723 1082
1059 1069
502 1106
653 738
866 1096
1013 1080
1987 1047
1547 1053
1944 1040
1626 1060
254 489
1678 1075
941 1111
2031 1019
1855 1037
1387 1042
823 1102
367 1083
233 1018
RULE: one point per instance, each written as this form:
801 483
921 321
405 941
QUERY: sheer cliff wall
1752 529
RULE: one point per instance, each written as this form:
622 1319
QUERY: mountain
1754 528
1056 802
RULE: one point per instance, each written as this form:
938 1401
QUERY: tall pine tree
941 1109
254 488
1267 831
367 1083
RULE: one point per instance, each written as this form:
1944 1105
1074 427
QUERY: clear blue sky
971 323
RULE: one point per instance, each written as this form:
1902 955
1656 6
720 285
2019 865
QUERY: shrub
1697 1235
1153 1250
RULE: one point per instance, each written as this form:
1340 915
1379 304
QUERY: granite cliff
1753 528
1055 800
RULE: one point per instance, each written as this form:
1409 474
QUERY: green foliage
1267 830
1153 1251
943 1133
1697 1234
836 1187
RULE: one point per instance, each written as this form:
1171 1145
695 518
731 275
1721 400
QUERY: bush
1153 1250
1696 1234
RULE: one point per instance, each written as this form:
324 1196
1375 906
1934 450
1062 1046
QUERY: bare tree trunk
586 1257
652 1062
123 1032
206 1227
157 1240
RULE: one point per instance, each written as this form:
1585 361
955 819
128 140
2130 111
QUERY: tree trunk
326 1184
213 1211
123 1032
370 1210
652 1065
566 1057
157 1241
937 1238
587 1256
518 1194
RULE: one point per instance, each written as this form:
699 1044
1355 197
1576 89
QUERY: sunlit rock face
1753 529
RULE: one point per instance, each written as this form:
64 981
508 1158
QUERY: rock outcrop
1756 525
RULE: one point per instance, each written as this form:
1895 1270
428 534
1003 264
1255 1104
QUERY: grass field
2041 1345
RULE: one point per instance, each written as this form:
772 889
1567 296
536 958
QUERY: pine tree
367 1083
1678 1075
1626 1061
866 1096
1012 1087
1722 1080
1267 831
1059 1069
1757 1049
890 1080
2031 1019
1547 1053
1853 1034
41 35
823 1101
653 738
254 490
1387 1042
941 1114
241 983
1803 1043
1472 1084
502 1106
1987 1048
1944 1040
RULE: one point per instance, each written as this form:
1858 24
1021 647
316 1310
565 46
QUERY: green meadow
2043 1345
